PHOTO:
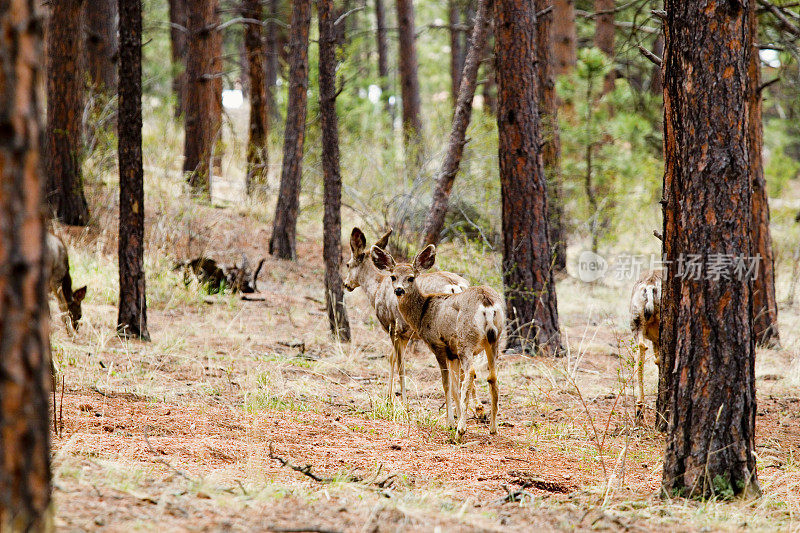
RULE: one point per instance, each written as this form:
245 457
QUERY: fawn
361 272
69 301
456 327
645 317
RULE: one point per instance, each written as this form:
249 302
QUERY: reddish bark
284 229
604 37
65 91
565 37
527 276
707 378
25 376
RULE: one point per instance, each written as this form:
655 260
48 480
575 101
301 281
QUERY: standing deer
645 318
456 327
69 301
361 272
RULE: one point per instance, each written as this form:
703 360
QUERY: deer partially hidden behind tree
361 272
456 327
645 317
69 301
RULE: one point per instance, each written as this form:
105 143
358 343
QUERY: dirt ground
200 429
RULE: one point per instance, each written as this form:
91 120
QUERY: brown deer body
455 327
361 272
645 317
69 301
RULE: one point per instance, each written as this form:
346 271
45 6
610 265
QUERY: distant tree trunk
200 105
490 83
656 79
765 305
383 54
527 276
217 69
456 51
271 66
282 244
132 318
707 378
101 44
409 80
551 147
179 23
65 82
604 37
257 147
565 37
24 313
458 130
332 219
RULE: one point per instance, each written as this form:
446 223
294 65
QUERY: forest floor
189 432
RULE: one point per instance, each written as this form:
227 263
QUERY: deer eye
394 278
411 279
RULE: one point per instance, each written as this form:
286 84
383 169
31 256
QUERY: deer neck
413 306
370 278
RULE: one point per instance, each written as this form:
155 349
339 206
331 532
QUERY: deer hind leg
393 360
467 383
639 370
444 369
491 352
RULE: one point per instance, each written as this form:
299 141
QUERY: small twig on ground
305 470
301 529
511 497
164 462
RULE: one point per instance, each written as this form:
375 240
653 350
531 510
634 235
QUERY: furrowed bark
707 377
527 277
25 377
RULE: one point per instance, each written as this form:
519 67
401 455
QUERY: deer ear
79 294
382 259
425 258
383 241
357 241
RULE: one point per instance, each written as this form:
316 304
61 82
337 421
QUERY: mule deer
456 327
361 272
645 317
69 301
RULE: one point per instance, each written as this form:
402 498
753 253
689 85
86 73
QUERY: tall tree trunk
271 66
551 140
257 147
383 54
332 219
409 80
282 244
458 130
65 81
565 37
200 105
490 83
656 78
765 306
604 37
179 29
456 52
707 382
527 276
24 313
100 17
132 318
217 69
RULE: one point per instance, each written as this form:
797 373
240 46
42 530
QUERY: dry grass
176 433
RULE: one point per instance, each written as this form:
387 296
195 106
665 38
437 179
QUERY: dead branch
657 234
768 83
301 529
651 56
305 470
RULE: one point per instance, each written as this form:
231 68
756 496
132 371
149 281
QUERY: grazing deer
456 327
361 272
645 317
69 301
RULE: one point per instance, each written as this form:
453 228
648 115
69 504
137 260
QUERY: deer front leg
455 389
465 386
392 367
444 369
401 367
491 353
